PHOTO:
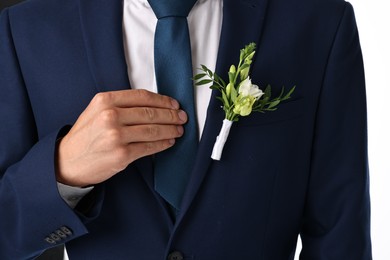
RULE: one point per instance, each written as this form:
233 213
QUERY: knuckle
149 113
102 98
141 149
149 147
143 94
109 116
114 135
152 131
172 115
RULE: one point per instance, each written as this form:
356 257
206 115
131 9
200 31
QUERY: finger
138 150
149 115
135 98
150 133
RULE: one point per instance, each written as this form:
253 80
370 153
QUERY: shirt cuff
72 195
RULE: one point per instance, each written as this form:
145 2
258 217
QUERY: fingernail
175 104
180 130
182 115
171 141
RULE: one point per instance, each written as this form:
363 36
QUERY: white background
373 19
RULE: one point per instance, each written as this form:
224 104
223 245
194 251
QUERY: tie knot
168 8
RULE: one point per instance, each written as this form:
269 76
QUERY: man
80 149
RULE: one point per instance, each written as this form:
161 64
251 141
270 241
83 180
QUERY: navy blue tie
173 67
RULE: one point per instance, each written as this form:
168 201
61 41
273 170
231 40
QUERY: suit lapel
101 22
242 23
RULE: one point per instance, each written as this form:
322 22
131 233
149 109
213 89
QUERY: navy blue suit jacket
299 170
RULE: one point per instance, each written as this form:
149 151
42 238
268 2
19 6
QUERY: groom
85 135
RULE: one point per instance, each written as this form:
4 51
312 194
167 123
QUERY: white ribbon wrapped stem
221 140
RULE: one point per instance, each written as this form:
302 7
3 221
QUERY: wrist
62 172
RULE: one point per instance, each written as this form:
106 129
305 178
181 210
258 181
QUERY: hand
114 130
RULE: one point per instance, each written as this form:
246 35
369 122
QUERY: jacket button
66 230
50 241
176 255
60 234
55 237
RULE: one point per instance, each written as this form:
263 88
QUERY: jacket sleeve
337 213
33 216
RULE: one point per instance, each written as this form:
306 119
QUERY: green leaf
215 86
287 96
257 109
220 98
273 104
199 76
225 99
263 102
205 69
203 82
244 66
281 94
218 79
267 92
222 82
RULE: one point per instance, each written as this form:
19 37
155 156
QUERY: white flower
248 94
248 89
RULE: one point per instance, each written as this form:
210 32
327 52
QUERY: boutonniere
239 97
